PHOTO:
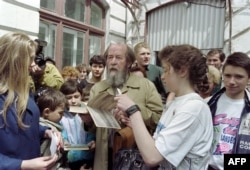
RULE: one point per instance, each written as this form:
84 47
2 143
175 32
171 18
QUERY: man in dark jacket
230 108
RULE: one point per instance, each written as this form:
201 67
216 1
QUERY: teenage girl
184 133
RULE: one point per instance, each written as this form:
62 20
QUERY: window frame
57 18
75 35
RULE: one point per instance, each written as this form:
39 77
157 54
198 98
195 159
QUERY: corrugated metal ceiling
197 22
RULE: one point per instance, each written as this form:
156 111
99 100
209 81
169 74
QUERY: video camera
39 59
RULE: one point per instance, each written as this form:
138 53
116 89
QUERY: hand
91 145
36 70
123 102
48 134
60 139
117 113
121 116
43 163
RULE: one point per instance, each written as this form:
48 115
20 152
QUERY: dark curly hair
180 56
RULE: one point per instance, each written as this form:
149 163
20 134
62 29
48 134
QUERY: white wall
116 21
19 15
240 27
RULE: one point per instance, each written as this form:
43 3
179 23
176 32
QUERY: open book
100 109
79 109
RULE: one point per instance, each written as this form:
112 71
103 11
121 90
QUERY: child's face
97 70
74 99
169 77
83 74
56 115
235 80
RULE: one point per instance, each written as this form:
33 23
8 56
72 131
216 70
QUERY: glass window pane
72 47
95 46
79 52
96 15
48 4
47 32
68 49
75 9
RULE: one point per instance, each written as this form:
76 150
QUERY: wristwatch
132 109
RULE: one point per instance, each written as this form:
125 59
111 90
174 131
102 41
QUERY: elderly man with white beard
119 58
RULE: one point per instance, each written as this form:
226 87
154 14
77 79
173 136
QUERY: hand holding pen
119 114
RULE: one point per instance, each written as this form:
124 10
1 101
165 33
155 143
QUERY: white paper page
54 143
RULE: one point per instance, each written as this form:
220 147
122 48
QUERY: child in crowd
69 72
52 104
83 72
97 64
230 109
74 127
183 136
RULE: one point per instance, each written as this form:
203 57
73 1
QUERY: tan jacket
143 92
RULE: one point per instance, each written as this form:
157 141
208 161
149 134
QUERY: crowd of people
185 114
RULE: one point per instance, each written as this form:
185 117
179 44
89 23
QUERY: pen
118 91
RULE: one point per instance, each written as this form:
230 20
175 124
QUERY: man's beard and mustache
117 78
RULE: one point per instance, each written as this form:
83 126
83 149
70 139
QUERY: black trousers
110 159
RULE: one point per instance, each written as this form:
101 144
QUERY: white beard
116 79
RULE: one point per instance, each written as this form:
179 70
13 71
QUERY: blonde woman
20 132
214 78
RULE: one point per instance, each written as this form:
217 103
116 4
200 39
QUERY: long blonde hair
15 59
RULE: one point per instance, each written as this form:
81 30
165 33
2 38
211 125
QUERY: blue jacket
76 155
18 144
242 140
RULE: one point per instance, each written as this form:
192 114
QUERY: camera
39 58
